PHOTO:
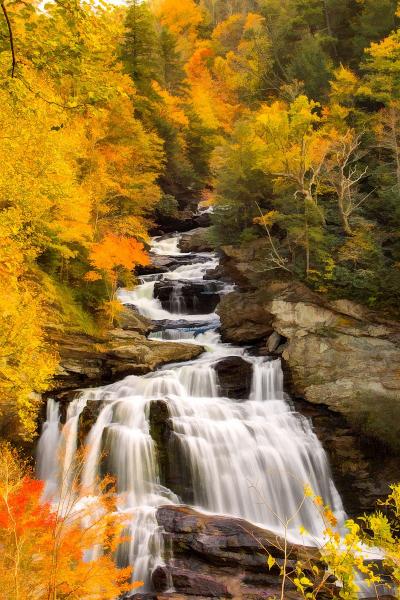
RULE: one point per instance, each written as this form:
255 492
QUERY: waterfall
247 458
166 246
267 381
46 455
178 304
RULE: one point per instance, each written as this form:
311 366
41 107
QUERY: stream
248 458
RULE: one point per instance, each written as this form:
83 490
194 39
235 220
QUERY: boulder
129 319
173 468
274 342
215 556
196 240
244 317
247 264
88 361
234 377
88 418
162 264
193 298
184 220
225 540
132 354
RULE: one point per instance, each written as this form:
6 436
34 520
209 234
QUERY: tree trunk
344 218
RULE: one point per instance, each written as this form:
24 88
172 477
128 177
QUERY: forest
279 117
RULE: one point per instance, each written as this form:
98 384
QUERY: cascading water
245 458
48 464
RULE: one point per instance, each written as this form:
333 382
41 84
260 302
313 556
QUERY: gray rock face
339 354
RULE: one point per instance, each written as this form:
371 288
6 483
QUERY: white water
249 458
166 246
48 463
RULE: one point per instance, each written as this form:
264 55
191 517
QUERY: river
249 458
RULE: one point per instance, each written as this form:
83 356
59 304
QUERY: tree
372 23
382 67
345 175
77 164
293 154
245 62
27 363
182 19
240 186
171 63
140 48
113 258
49 552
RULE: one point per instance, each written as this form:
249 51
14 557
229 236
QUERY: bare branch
11 38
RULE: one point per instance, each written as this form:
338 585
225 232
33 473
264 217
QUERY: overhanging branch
11 38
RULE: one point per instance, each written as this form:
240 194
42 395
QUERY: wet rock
244 318
225 540
196 240
218 274
188 582
234 377
191 298
219 556
160 431
173 468
162 264
88 418
281 349
159 264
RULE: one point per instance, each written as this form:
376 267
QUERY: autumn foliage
112 258
61 551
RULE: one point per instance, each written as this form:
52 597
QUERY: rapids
247 458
